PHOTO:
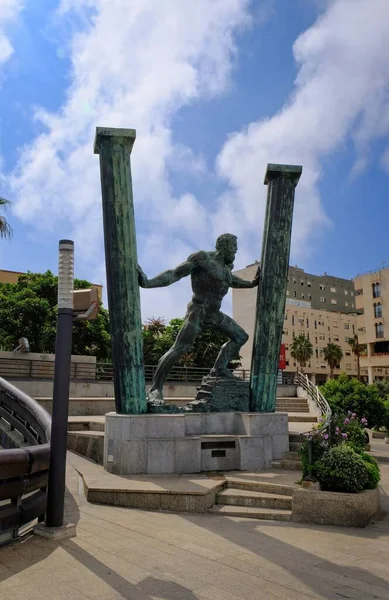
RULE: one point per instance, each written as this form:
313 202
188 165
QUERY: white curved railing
317 397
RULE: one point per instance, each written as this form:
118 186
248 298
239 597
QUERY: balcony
376 360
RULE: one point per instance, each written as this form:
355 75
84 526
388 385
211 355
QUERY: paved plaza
140 555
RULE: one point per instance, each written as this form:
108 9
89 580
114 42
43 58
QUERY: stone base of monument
193 443
224 394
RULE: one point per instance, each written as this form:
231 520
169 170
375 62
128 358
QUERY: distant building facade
372 300
321 307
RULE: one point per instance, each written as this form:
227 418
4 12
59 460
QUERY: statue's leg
238 337
184 341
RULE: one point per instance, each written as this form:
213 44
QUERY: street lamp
63 353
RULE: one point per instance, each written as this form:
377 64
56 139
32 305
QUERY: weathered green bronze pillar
269 318
114 147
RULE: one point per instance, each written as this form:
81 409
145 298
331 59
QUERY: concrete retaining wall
333 508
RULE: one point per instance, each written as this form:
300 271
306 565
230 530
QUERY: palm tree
333 354
5 227
357 349
301 350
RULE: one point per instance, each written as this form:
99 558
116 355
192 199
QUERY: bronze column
114 147
269 319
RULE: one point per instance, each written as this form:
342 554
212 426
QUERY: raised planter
379 434
334 508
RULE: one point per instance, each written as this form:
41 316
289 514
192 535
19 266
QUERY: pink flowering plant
346 429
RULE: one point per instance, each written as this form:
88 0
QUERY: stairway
291 460
256 500
292 405
86 437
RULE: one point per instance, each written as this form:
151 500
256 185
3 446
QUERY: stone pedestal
224 394
192 443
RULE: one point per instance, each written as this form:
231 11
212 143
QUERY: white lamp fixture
66 274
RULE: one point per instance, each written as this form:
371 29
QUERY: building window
317 353
347 326
359 292
346 339
322 299
284 332
293 334
307 322
346 292
336 338
334 301
322 287
348 366
287 292
316 340
308 283
376 290
285 317
302 283
322 337
333 290
295 294
292 319
352 305
379 330
321 323
309 296
302 296
294 280
351 293
334 324
346 303
378 310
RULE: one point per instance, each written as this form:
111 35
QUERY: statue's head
227 245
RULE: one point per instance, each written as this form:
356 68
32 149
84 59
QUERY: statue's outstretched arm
166 278
237 282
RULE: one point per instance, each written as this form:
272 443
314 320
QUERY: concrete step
292 409
295 446
236 497
85 426
290 465
87 443
291 455
296 438
235 483
302 418
266 514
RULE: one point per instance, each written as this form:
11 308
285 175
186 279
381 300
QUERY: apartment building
322 322
372 301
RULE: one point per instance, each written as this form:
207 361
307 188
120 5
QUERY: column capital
115 134
292 172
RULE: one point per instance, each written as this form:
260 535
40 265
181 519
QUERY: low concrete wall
193 443
334 508
286 391
27 365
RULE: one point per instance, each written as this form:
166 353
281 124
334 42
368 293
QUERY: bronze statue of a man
211 277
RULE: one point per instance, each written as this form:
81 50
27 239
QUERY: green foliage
346 394
158 338
333 354
301 349
348 429
28 309
373 471
382 386
341 469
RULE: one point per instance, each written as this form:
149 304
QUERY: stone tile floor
122 553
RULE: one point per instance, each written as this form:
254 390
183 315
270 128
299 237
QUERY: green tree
5 227
346 394
158 338
28 309
301 350
333 354
357 349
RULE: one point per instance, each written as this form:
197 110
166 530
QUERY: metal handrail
24 462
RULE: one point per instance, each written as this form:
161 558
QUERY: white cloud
134 65
341 91
9 9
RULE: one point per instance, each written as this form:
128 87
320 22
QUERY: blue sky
215 89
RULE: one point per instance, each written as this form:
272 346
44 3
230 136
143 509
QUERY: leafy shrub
348 394
341 469
348 429
373 471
